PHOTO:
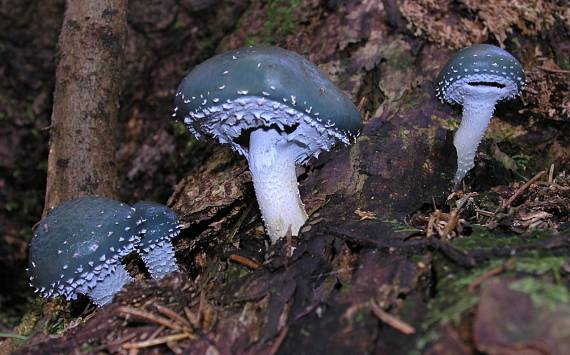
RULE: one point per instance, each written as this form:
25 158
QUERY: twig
150 317
488 274
392 321
551 174
244 261
520 191
157 341
362 103
114 344
244 215
193 319
280 338
554 70
484 213
156 333
172 315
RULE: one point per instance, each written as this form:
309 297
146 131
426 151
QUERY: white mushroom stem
108 283
477 114
271 161
160 260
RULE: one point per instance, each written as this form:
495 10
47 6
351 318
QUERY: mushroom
278 110
78 247
477 77
159 225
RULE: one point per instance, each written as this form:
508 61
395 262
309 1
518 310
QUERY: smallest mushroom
477 77
158 226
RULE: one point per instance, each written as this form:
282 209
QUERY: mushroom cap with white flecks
260 86
480 63
160 224
78 242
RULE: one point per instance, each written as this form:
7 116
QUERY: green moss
235 271
542 294
398 226
500 134
426 339
346 288
540 265
483 238
453 298
450 124
361 314
178 25
253 40
523 161
281 20
488 200
86 348
30 319
13 336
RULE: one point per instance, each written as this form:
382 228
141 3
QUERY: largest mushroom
477 77
278 110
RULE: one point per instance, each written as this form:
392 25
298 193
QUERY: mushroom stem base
271 159
109 283
160 260
474 123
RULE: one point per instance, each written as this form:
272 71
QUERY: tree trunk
86 101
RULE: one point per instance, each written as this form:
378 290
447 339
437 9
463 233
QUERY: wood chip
244 261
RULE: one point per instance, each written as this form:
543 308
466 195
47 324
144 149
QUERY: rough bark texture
381 251
86 101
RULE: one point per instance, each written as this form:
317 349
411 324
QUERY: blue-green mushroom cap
266 86
159 223
79 240
480 65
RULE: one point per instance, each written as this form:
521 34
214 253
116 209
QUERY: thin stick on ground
554 70
390 320
280 338
520 191
244 261
488 274
172 315
150 317
157 341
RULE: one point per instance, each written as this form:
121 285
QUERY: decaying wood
86 101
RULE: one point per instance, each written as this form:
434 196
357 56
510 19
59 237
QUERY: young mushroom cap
477 77
479 69
78 248
277 109
160 225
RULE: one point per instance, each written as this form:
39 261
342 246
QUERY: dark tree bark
86 101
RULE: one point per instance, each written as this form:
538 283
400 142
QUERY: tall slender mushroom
78 247
477 77
278 110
